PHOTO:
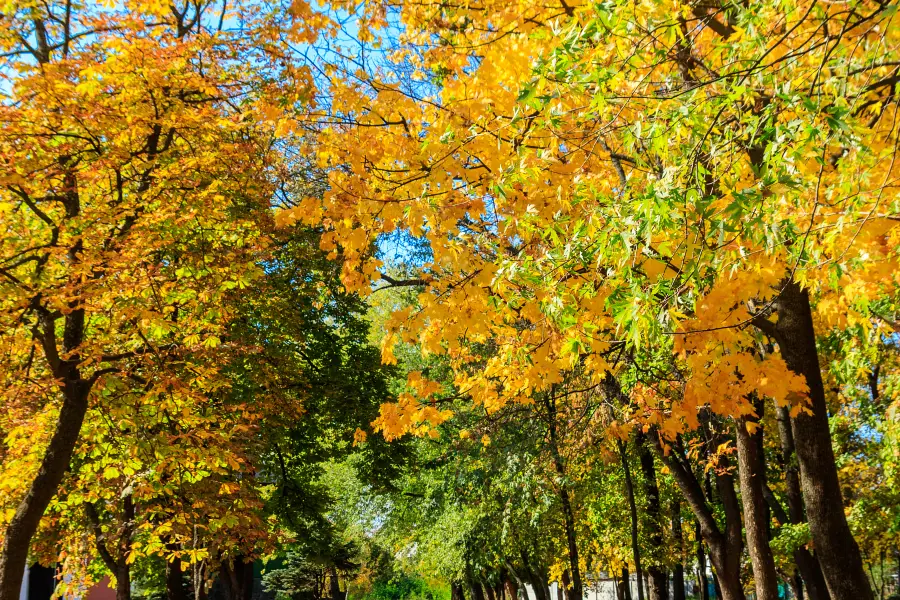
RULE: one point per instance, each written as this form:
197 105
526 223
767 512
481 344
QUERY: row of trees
658 231
633 268
175 372
498 497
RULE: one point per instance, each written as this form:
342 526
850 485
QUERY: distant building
39 583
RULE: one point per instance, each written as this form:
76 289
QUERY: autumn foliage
650 241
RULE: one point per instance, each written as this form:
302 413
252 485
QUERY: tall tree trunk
678 591
724 547
24 523
334 580
519 577
658 578
116 560
63 360
796 583
123 582
475 590
717 586
488 590
836 548
175 588
512 588
539 587
727 559
632 507
566 584
626 584
701 564
456 591
755 522
565 498
575 590
807 564
198 580
237 577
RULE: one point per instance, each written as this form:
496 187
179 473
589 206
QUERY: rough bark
765 579
836 549
456 591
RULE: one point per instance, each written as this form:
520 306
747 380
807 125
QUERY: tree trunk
512 588
510 585
63 361
727 559
565 499
796 583
237 577
678 591
755 522
537 586
123 581
632 507
835 546
717 586
198 579
807 564
575 591
626 585
334 580
456 591
175 588
475 590
520 580
24 523
489 591
117 559
658 578
703 579
724 547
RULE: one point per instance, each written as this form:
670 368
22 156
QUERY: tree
137 158
602 172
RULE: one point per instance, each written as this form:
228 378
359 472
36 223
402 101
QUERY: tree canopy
451 300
